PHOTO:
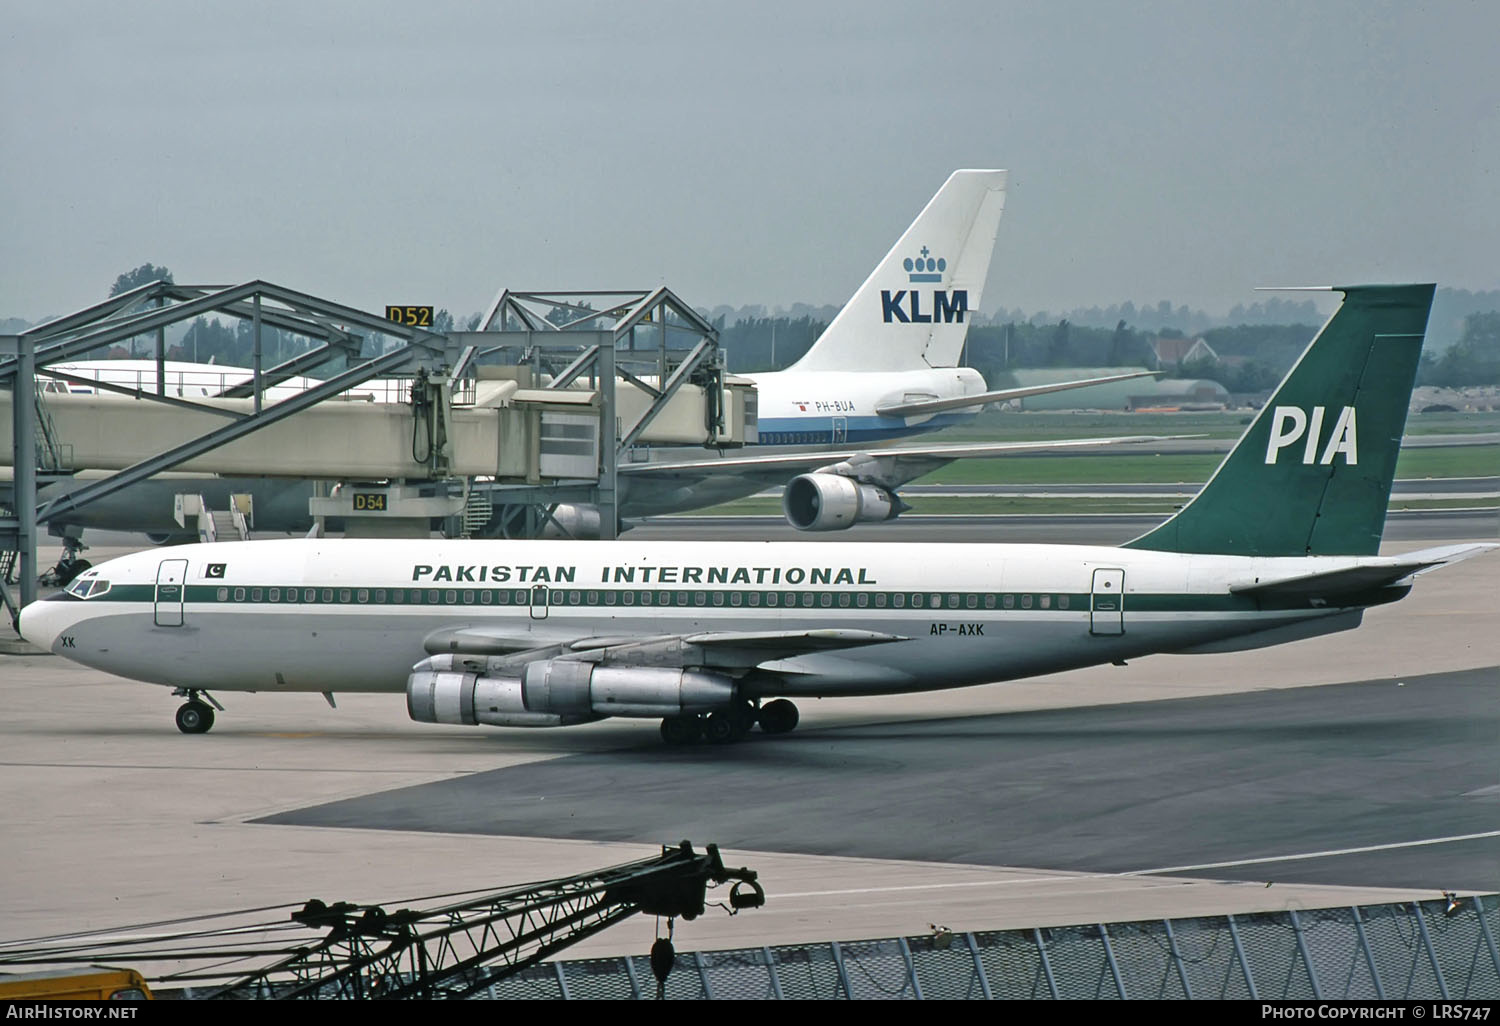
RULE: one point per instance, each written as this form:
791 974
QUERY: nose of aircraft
39 624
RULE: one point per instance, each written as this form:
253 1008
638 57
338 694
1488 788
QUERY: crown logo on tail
924 267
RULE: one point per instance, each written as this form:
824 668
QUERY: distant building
1174 352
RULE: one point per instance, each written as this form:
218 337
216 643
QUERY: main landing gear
722 726
195 716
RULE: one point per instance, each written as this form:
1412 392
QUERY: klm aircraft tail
1312 475
914 310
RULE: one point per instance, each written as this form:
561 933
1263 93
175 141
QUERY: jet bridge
669 386
532 436
519 414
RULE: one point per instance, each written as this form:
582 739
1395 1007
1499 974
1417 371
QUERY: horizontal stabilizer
1365 576
925 406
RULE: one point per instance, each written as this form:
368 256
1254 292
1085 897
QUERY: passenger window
899 601
327 595
344 595
755 598
609 598
432 596
255 594
718 598
1062 602
1010 602
916 601
1046 601
825 600
239 594
807 599
380 595
593 598
972 601
861 600
223 595
734 599
468 598
989 602
1025 601
363 595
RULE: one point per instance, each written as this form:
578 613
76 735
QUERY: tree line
1249 357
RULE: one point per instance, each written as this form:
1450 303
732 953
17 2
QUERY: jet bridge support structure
365 344
654 362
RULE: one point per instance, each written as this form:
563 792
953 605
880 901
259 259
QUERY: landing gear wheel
720 728
744 715
195 717
681 730
779 717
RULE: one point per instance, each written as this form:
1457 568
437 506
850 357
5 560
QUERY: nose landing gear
196 716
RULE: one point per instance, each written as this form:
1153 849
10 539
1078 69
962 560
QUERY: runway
1357 767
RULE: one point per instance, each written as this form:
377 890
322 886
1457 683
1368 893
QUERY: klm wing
889 468
925 406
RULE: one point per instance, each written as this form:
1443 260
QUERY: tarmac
1360 767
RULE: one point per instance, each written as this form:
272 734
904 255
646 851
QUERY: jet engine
558 692
439 696
568 520
831 502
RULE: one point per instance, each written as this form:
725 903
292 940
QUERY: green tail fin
1312 475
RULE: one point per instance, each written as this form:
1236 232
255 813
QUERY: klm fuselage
349 615
804 408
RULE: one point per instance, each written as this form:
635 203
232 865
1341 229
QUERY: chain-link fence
1409 950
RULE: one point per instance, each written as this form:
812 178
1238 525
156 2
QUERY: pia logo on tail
1289 424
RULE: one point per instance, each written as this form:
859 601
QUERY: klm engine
831 502
556 692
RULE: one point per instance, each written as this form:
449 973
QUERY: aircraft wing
1366 575
929 456
477 649
924 406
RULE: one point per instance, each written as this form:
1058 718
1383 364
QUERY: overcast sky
748 152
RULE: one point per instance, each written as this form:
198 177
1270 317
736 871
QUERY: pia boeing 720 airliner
713 639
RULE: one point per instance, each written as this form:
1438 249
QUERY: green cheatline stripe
946 602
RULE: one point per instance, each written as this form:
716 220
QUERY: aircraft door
171 576
840 430
1107 603
539 602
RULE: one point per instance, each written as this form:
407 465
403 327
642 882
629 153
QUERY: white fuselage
352 615
840 407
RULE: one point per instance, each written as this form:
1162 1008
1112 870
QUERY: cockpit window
80 587
86 588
